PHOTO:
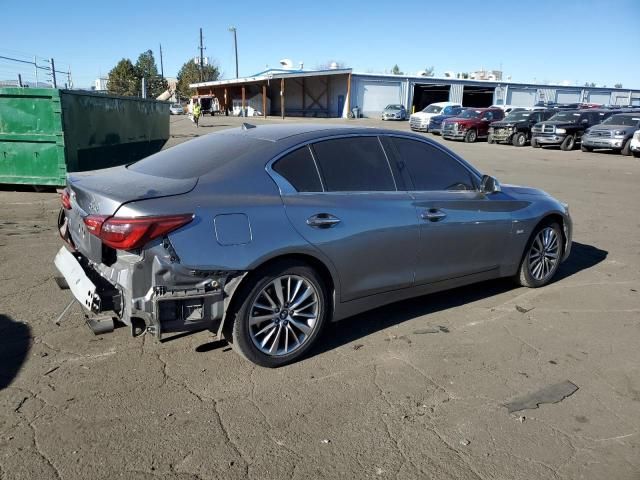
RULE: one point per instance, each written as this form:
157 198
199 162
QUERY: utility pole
235 45
161 67
52 65
20 80
35 64
201 58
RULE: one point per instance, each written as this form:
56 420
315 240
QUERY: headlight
561 130
618 132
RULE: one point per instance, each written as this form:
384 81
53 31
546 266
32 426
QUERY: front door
462 231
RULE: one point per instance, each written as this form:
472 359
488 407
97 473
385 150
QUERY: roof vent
247 126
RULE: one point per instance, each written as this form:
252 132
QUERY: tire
490 140
586 149
471 136
519 139
568 143
636 154
533 274
254 342
626 150
534 143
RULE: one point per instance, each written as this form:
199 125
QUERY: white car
176 109
420 120
635 144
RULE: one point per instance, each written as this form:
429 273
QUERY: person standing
196 113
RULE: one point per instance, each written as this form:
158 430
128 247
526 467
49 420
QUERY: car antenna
247 126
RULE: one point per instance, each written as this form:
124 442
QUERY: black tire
534 143
626 150
568 143
490 140
240 337
636 154
519 139
471 136
586 149
524 276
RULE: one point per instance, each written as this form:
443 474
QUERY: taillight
131 233
65 199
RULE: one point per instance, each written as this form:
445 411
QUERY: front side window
430 168
299 169
354 164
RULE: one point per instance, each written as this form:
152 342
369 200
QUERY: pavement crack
39 451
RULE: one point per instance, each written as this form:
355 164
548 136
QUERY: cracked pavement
413 390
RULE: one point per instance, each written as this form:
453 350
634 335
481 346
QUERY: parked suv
471 124
566 127
635 144
435 124
516 127
420 120
614 133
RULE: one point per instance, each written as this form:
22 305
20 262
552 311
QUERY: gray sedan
394 112
265 234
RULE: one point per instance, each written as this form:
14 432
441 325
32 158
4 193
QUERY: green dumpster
45 133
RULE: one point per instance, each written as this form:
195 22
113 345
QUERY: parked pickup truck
615 133
435 124
516 127
471 124
420 120
566 127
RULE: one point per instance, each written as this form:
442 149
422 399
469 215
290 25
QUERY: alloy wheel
284 315
544 254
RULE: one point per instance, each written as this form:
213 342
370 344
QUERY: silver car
264 234
394 112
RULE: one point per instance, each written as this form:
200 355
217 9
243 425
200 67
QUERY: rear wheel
471 136
283 310
542 256
586 149
568 143
626 150
519 139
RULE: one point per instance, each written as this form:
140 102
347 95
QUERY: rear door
462 231
351 209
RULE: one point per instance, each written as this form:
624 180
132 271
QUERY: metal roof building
334 92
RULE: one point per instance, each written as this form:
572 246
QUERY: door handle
433 215
322 220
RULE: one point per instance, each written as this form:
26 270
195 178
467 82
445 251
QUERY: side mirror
489 185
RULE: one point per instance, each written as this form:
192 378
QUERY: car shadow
15 340
346 331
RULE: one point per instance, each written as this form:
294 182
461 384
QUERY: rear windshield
622 120
198 156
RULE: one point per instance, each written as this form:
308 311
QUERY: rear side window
354 164
430 168
299 170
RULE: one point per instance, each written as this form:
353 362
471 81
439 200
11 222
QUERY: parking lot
413 390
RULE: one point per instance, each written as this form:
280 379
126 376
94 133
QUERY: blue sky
564 40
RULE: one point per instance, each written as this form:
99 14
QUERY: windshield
517 116
622 120
176 105
470 113
433 109
393 107
570 117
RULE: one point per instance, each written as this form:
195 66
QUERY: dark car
471 124
435 124
265 234
565 128
614 133
516 127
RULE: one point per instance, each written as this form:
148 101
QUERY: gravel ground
412 390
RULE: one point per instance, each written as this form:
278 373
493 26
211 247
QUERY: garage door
567 96
600 98
521 97
377 95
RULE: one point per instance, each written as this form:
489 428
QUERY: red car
471 124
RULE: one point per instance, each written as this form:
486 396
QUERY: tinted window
300 170
432 169
353 164
488 115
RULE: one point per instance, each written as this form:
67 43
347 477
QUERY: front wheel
534 143
584 148
471 136
568 143
626 150
542 256
490 139
283 310
519 139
